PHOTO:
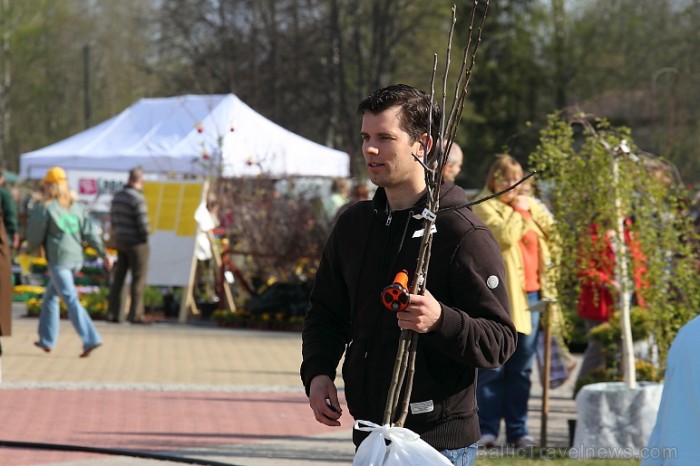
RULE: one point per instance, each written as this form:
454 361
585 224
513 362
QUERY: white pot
613 420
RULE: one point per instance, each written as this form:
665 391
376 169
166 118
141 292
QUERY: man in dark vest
129 219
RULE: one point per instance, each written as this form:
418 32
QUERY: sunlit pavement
221 396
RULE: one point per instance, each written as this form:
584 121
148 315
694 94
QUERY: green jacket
62 232
9 213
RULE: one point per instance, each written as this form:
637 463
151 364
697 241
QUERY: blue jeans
503 393
462 456
61 285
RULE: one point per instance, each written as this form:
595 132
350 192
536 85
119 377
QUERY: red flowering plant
210 153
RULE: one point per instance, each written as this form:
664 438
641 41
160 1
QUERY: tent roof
187 135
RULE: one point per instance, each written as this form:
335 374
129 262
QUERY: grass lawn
506 461
544 457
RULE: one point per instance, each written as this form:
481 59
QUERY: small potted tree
594 173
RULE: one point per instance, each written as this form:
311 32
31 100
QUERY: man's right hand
323 399
521 202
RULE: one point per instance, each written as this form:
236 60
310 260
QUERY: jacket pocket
440 380
354 369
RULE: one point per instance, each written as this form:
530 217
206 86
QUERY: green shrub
576 160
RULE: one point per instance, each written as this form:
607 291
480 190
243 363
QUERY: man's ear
422 139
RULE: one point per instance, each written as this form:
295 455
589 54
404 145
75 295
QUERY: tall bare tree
374 43
6 68
515 87
306 63
303 63
49 71
636 63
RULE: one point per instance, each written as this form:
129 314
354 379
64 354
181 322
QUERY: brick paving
190 390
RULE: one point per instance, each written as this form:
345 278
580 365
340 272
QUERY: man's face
387 150
452 169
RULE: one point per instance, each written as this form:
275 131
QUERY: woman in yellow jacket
522 226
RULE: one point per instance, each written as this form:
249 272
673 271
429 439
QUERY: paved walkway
192 391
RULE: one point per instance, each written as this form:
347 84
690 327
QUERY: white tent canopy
186 135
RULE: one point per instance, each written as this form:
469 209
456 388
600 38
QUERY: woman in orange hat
62 227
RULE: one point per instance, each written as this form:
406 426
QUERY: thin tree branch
433 164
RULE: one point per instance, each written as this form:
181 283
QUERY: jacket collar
450 195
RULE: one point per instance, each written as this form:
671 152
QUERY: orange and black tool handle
396 297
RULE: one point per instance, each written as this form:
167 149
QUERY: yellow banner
171 206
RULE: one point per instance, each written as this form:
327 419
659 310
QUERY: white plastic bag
405 448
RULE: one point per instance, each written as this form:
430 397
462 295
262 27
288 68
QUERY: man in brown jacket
9 238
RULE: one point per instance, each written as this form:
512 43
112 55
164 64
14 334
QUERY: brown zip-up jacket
366 248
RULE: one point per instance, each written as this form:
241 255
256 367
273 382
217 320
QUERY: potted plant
95 303
593 172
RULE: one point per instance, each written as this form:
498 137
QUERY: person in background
562 363
359 192
523 229
674 438
340 190
453 165
9 213
62 227
206 217
600 288
9 239
129 220
462 318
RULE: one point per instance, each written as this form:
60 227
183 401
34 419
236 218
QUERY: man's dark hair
415 109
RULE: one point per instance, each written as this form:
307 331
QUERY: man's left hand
422 314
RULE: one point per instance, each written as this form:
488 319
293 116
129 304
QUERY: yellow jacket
508 227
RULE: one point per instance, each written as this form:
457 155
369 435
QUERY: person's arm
142 215
546 224
89 233
9 210
477 329
36 228
544 220
326 332
323 399
507 225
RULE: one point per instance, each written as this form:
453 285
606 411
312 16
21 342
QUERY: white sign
96 188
